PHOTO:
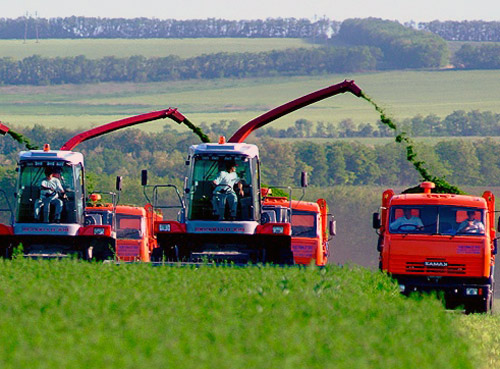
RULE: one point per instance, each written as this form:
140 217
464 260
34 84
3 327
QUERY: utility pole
25 26
36 26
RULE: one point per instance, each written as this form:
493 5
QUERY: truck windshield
449 220
129 227
304 224
215 188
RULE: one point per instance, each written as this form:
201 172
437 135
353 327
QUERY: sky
401 10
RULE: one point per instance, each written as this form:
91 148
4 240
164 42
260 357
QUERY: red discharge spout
171 113
3 129
346 86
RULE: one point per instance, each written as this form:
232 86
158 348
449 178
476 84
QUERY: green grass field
154 47
80 315
403 95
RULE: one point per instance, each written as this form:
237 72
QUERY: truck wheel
481 306
157 255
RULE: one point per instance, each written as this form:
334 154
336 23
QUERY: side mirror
119 183
498 225
333 227
495 247
376 221
144 177
303 179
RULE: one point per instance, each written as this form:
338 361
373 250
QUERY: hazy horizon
401 10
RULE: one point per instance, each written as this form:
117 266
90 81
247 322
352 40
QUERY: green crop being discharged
22 140
197 130
442 186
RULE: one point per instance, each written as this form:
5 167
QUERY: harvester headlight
98 231
471 291
278 229
402 288
164 227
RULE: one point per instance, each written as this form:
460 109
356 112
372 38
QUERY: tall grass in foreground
80 315
483 333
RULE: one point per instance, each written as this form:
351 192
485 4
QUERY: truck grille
435 266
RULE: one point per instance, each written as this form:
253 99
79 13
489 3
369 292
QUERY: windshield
220 188
304 224
450 220
46 193
129 226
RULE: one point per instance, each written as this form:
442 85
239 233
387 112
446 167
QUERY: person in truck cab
407 222
471 224
224 191
50 192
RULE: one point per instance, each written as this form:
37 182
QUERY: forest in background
366 45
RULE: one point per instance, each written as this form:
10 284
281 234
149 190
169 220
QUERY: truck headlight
98 231
278 229
471 291
164 227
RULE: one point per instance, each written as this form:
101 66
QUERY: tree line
483 56
372 44
319 29
36 70
457 124
461 162
402 47
464 30
88 27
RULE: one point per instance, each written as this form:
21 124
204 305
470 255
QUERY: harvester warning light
46 147
222 140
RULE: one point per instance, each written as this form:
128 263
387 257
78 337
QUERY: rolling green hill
155 47
402 94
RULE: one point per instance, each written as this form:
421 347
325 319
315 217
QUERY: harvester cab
221 216
49 215
222 183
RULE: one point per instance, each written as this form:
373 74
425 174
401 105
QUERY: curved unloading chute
346 86
171 113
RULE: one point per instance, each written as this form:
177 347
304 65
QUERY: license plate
436 264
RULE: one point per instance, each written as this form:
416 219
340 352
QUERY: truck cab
134 229
440 242
311 228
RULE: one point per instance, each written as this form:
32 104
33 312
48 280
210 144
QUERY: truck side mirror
144 177
303 179
495 247
119 183
332 226
376 221
498 225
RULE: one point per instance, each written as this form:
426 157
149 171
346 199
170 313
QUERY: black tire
482 305
157 255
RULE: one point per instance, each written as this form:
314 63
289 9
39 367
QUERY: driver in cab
224 191
408 222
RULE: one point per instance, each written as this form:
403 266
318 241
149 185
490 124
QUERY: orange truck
135 238
440 242
310 227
